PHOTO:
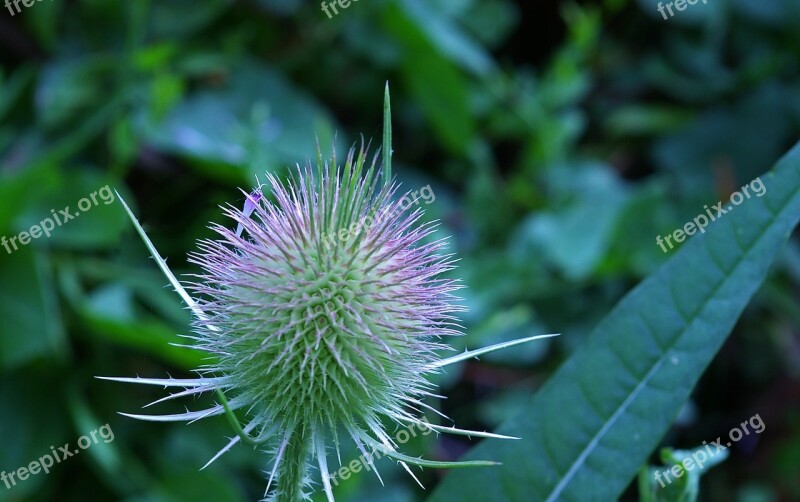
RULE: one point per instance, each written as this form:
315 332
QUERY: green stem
235 422
292 471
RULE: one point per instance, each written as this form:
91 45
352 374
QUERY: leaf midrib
609 423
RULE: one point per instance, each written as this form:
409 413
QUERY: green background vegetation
559 139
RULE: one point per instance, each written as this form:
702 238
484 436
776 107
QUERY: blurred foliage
560 139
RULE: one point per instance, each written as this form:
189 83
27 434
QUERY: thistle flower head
323 312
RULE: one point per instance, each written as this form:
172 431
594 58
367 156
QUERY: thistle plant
312 339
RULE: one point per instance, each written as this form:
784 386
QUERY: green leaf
86 196
194 17
575 238
31 326
447 38
109 313
67 87
597 419
19 188
257 122
32 424
13 87
436 83
177 486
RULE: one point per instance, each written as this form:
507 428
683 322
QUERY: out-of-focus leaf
283 7
44 22
87 196
576 238
67 87
738 141
33 419
439 88
501 407
646 120
166 90
187 484
193 16
122 141
256 122
110 313
11 88
447 38
771 12
441 93
146 285
104 451
19 189
491 20
31 328
633 243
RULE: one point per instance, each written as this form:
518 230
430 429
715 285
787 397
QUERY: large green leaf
589 429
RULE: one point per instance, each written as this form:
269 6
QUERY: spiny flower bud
323 312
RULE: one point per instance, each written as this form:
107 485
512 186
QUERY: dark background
560 139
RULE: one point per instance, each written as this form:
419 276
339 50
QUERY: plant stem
292 471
